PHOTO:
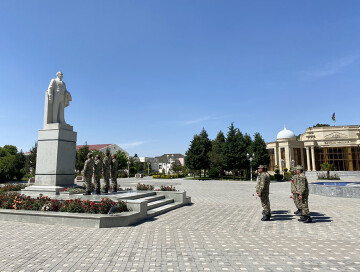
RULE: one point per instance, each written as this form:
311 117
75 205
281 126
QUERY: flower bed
166 188
18 201
144 187
148 187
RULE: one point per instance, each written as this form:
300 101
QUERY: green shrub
213 173
287 176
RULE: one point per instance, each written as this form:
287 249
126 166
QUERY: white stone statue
57 98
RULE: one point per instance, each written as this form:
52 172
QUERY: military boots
266 217
305 219
298 212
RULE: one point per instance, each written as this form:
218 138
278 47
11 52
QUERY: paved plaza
221 231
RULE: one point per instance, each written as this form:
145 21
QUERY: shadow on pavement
320 217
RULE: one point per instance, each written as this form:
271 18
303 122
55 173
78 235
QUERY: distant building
103 147
165 161
337 145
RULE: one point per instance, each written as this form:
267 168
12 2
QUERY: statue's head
59 75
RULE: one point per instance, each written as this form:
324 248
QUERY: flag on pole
333 118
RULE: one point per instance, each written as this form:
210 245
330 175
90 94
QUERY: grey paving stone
221 231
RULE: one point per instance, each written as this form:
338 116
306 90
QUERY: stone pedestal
55 161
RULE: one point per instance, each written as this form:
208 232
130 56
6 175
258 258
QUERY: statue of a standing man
58 98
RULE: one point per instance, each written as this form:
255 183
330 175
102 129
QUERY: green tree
234 155
206 145
196 157
81 157
176 167
12 163
216 153
327 167
122 159
259 148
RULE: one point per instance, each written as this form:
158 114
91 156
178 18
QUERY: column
308 159
287 157
313 158
276 162
280 165
302 157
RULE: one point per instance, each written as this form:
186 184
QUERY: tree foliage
216 153
226 153
81 157
197 157
234 155
259 149
12 163
122 159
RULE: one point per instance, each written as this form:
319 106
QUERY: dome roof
285 134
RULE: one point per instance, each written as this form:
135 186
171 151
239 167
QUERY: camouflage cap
299 167
89 154
262 166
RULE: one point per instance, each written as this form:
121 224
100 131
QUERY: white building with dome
338 145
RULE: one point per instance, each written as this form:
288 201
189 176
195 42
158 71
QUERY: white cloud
132 144
332 68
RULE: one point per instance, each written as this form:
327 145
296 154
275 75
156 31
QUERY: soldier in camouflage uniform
294 191
262 190
303 192
97 173
106 172
114 173
88 172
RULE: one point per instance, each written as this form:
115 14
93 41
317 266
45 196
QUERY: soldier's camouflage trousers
106 181
297 201
114 182
265 203
97 182
88 184
304 205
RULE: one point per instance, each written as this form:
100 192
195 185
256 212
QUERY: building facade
337 145
114 148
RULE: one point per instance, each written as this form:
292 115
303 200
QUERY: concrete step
138 195
153 198
163 209
159 203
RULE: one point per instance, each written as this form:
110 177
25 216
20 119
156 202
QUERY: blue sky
148 75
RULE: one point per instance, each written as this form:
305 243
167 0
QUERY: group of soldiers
299 190
108 167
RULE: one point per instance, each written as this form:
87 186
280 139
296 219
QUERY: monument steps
139 195
159 203
163 209
150 199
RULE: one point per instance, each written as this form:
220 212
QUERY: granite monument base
55 160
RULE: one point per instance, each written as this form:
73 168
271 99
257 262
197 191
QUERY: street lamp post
250 158
128 163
